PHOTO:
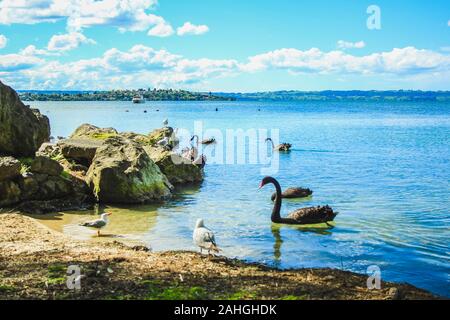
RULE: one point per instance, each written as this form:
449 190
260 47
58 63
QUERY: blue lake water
383 166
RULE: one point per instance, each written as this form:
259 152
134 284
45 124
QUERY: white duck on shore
204 237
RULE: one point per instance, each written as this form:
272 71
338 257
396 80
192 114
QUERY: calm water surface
383 166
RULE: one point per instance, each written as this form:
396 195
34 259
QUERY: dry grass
34 260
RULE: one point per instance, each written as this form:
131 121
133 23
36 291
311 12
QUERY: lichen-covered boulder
9 193
122 172
176 168
81 149
22 130
46 165
89 131
9 168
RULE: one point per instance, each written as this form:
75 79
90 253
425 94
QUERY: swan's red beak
261 185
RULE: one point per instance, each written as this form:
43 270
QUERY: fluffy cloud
69 41
350 45
162 29
3 41
126 15
402 61
143 66
192 29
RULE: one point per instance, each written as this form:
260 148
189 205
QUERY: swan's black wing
313 215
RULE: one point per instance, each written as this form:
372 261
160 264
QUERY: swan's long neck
273 145
277 206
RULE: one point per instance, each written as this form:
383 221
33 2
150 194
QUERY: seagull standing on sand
98 224
204 238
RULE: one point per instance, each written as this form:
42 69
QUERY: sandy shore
34 261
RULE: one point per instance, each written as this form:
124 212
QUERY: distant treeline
120 95
352 95
183 95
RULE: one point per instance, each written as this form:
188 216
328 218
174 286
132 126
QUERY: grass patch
58 157
103 135
25 164
5 288
292 297
56 274
66 175
159 291
241 295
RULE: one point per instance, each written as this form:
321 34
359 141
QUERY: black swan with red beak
311 215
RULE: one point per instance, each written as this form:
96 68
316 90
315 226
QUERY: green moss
159 291
292 297
56 274
241 295
66 175
6 288
58 157
102 135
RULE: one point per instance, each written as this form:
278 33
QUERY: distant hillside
119 95
352 95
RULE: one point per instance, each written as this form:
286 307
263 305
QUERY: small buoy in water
157 110
127 110
259 109
217 109
145 111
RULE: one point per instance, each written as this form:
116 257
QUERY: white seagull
99 223
166 122
204 238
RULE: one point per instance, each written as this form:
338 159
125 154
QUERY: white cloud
350 45
126 15
3 41
407 60
192 29
143 66
69 41
162 29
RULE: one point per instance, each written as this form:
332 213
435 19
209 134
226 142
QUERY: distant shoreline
183 95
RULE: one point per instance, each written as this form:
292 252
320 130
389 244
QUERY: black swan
311 215
292 193
284 147
208 141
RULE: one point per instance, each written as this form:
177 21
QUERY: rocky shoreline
94 165
34 262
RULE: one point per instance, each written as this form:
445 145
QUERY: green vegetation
120 95
56 275
25 164
6 288
350 95
242 295
159 291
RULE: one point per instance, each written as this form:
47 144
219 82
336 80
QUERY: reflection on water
383 166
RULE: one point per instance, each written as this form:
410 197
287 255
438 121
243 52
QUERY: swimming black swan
284 147
209 141
311 215
292 193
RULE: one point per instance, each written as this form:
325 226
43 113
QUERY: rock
42 164
88 131
39 186
81 150
139 138
122 172
22 129
73 203
393 294
159 134
177 169
9 193
50 150
9 168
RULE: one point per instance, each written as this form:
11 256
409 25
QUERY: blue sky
224 45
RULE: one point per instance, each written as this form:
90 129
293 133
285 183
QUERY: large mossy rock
22 130
81 150
46 165
9 168
10 193
159 134
177 169
122 172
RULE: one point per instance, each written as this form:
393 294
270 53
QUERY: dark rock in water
82 150
9 168
122 172
79 202
46 165
22 130
9 193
